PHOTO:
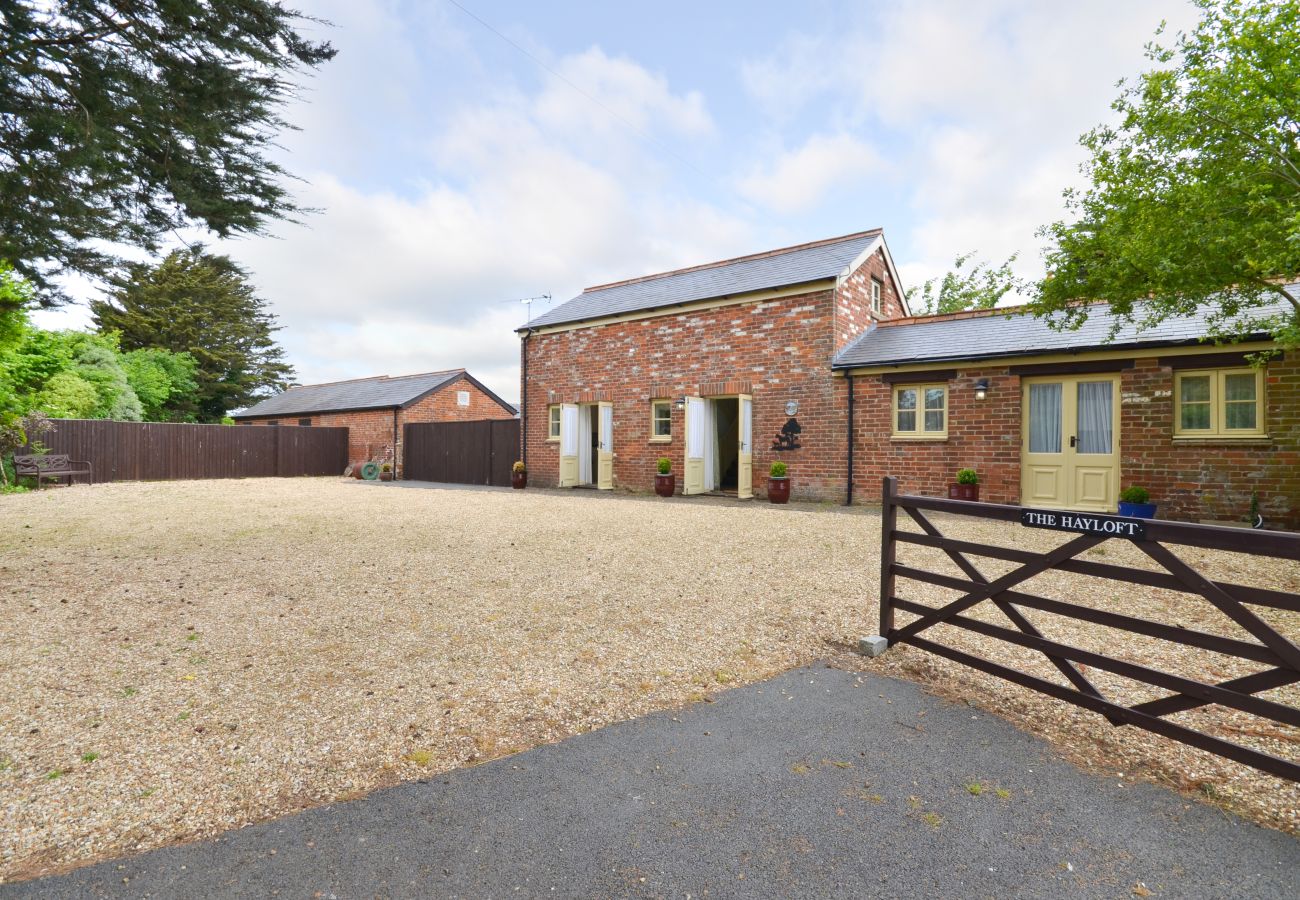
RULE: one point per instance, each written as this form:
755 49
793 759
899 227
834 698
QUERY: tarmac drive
818 783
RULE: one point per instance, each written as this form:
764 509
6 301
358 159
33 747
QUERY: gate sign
1087 523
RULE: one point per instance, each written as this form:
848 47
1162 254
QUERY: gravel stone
185 658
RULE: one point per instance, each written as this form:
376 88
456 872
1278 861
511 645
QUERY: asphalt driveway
819 782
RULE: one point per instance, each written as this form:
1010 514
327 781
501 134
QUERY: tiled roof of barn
1014 332
379 392
727 278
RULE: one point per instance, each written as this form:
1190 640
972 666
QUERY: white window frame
655 406
1218 429
877 288
918 432
462 398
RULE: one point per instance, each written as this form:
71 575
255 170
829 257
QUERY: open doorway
726 420
588 444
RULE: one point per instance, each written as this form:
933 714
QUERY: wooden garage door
461 452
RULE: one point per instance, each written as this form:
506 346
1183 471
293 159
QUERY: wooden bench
52 465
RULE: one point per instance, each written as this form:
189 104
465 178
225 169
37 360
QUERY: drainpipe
523 402
395 445
848 493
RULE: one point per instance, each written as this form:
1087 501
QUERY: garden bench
52 465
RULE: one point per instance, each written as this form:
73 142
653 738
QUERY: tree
1195 194
981 288
164 382
201 304
123 120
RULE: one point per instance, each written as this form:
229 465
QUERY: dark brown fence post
888 525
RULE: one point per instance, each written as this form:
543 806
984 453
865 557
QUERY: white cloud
799 179
977 107
535 192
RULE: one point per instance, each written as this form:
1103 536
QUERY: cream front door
696 436
605 451
745 449
1070 450
568 444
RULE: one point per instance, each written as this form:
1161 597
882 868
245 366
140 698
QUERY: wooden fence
1275 651
165 451
461 452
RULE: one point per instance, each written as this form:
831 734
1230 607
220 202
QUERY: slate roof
1019 334
762 271
379 392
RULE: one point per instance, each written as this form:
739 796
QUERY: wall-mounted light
679 404
981 389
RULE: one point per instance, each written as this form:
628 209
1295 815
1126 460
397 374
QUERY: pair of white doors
1070 450
702 446
575 468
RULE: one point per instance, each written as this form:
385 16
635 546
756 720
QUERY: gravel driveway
184 658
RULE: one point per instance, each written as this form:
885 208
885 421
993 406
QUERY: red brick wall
776 350
370 432
1190 480
779 349
1209 479
853 302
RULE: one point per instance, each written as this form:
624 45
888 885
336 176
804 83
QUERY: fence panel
1271 647
168 451
480 452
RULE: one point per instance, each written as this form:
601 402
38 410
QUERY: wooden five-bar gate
1277 652
461 452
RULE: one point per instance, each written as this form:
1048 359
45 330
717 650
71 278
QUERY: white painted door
745 450
605 460
696 436
568 445
1070 455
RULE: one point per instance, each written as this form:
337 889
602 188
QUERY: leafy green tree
202 304
68 396
980 288
164 382
97 364
123 120
1195 194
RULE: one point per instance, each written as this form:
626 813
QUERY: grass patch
89 757
974 788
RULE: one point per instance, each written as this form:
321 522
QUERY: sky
464 157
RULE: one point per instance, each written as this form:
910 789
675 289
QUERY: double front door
587 445
1070 442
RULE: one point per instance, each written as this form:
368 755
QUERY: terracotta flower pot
385 476
665 485
964 492
519 480
778 490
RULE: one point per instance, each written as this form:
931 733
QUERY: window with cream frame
875 295
920 411
553 417
1219 403
661 421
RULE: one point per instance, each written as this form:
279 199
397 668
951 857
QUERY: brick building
1065 419
725 367
375 409
714 367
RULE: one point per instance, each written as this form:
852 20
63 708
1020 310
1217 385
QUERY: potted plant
778 483
1136 502
386 472
519 475
967 486
665 480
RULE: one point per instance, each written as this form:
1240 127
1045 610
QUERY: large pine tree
123 120
202 304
